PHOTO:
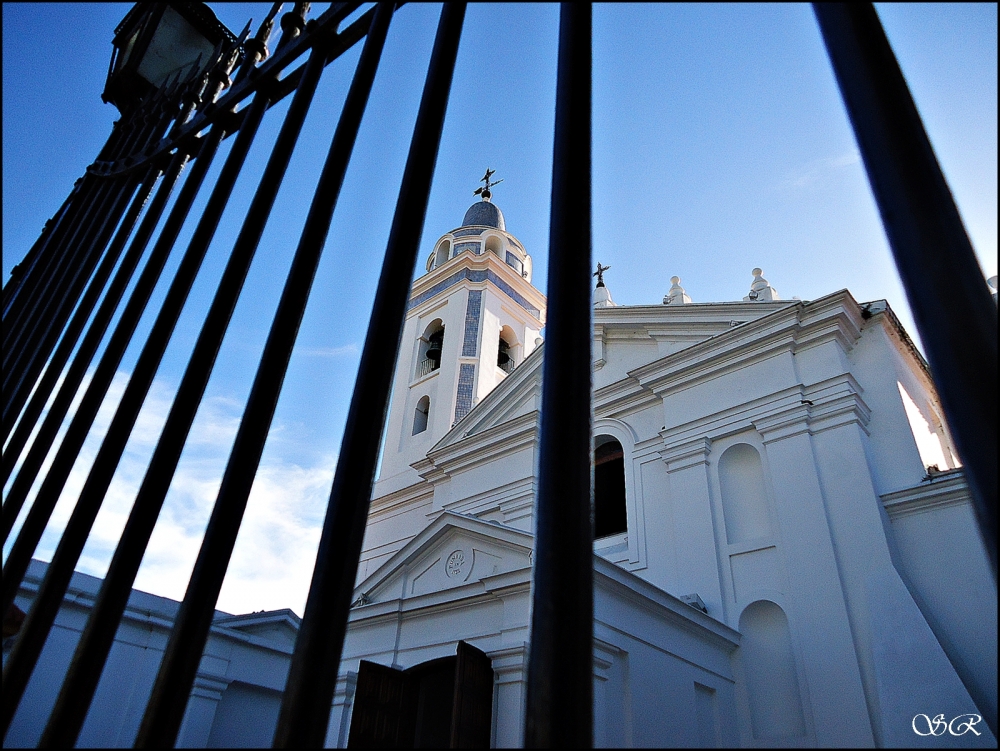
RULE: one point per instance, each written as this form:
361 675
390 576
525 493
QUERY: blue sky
720 144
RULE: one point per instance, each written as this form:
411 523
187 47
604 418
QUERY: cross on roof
600 274
485 190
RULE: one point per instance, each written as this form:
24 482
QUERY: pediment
453 551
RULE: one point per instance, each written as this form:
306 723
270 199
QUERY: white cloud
347 349
817 171
273 559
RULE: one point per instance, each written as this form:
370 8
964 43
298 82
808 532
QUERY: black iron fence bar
60 256
560 667
37 335
184 650
324 26
49 597
95 332
44 253
22 273
34 339
63 256
91 654
929 243
255 48
17 395
312 678
115 349
105 371
80 425
71 256
292 23
142 374
188 94
932 252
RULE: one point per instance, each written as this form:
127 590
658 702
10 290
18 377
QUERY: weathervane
485 190
600 274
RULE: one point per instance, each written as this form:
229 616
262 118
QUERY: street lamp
156 40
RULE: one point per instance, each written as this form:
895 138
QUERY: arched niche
443 253
610 505
744 497
420 414
494 245
772 680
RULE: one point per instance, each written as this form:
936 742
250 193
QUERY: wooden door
472 707
383 709
447 702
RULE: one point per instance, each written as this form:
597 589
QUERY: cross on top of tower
600 274
485 190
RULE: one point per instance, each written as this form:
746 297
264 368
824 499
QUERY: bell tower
470 321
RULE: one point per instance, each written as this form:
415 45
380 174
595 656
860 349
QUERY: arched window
505 350
744 498
431 344
772 682
610 514
420 415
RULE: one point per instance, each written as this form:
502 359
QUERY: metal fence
64 281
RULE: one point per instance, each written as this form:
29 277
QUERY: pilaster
694 526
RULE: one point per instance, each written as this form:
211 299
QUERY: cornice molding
941 491
469 261
479 448
792 411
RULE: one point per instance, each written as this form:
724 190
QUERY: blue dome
483 214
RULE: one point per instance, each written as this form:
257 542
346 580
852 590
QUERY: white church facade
785 552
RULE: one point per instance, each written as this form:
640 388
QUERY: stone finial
992 282
760 289
677 295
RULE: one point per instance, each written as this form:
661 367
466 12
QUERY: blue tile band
472 310
474 276
466 381
462 247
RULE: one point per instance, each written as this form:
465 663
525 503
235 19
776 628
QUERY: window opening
610 514
420 415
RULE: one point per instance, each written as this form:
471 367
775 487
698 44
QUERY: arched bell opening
506 350
431 346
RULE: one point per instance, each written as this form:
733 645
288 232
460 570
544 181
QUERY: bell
434 352
502 358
